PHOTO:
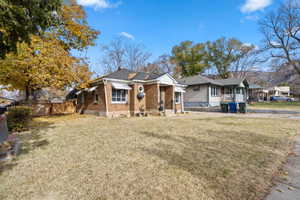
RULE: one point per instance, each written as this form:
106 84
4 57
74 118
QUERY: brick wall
136 105
152 97
115 110
169 97
90 105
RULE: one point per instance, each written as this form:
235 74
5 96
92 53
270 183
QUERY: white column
182 104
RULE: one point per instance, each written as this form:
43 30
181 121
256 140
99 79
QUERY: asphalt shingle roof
255 86
200 80
230 81
125 74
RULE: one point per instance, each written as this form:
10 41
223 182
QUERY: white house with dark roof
202 91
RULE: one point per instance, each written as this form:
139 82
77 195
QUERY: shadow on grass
33 138
225 165
30 140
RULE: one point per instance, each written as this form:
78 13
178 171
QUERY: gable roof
125 74
231 81
200 80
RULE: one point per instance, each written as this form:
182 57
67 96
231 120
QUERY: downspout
208 95
173 101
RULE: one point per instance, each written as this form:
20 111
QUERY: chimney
131 75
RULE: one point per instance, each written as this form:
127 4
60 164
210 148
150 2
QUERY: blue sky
161 24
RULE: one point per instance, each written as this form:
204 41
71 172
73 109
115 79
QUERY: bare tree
122 54
166 64
114 55
163 64
247 60
136 57
281 30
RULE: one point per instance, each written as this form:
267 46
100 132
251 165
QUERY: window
215 91
177 97
119 96
196 88
238 91
96 97
228 91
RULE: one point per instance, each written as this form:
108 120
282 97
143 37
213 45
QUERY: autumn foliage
47 61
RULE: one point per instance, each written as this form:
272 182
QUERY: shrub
18 118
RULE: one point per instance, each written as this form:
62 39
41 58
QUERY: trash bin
3 128
224 107
242 107
233 107
2 110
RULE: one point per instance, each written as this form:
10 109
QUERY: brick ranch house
129 93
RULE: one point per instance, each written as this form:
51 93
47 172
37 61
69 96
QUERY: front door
162 102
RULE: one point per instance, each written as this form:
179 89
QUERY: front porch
164 99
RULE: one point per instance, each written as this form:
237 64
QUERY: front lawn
199 157
276 105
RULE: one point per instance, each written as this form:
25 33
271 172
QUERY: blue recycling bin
233 107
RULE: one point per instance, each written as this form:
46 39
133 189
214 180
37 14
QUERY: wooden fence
47 108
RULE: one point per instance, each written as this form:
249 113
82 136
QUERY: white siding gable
242 85
166 79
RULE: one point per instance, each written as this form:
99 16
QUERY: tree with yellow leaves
47 61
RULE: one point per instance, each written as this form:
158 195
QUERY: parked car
281 98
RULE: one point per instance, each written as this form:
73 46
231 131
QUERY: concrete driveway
288 188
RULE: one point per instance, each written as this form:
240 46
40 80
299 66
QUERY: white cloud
252 17
127 35
251 45
254 5
97 4
247 44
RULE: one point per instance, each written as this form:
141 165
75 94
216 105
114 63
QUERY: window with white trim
215 91
177 97
228 91
119 96
238 90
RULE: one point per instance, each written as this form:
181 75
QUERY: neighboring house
129 93
206 92
257 93
5 102
283 91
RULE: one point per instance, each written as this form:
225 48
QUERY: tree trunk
296 66
27 93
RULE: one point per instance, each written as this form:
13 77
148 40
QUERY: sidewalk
289 188
270 111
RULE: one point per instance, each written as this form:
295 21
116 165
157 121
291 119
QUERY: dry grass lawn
294 106
197 157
